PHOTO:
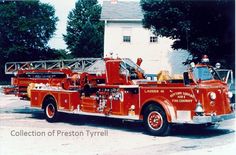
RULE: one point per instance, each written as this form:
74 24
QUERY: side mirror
186 79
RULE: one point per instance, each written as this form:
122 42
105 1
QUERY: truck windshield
130 69
130 65
202 73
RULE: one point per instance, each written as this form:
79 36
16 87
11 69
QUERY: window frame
153 39
126 39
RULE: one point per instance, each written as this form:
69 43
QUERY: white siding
156 56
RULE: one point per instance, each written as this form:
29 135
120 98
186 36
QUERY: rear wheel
155 121
50 110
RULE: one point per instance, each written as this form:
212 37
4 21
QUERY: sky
62 10
62 7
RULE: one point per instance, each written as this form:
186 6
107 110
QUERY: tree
25 29
201 27
85 31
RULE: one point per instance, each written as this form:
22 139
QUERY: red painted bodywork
114 93
52 77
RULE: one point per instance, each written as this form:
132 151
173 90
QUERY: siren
205 59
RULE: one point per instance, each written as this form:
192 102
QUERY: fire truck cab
118 88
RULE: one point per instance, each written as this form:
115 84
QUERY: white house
126 37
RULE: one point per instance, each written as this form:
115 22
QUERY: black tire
50 110
155 121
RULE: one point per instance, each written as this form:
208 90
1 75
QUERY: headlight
212 95
230 94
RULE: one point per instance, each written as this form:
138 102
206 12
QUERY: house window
126 34
153 39
127 39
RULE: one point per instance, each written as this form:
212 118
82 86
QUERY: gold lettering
182 100
151 91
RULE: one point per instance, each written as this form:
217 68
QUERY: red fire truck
118 88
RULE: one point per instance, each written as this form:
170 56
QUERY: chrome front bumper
212 119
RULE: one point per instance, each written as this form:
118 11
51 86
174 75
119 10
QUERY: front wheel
50 110
155 121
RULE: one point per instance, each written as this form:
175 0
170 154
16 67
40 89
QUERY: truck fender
165 104
47 96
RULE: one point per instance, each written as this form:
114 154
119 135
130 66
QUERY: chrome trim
128 86
135 117
212 119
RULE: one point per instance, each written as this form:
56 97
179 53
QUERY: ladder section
77 65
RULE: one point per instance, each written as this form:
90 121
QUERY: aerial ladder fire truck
118 88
